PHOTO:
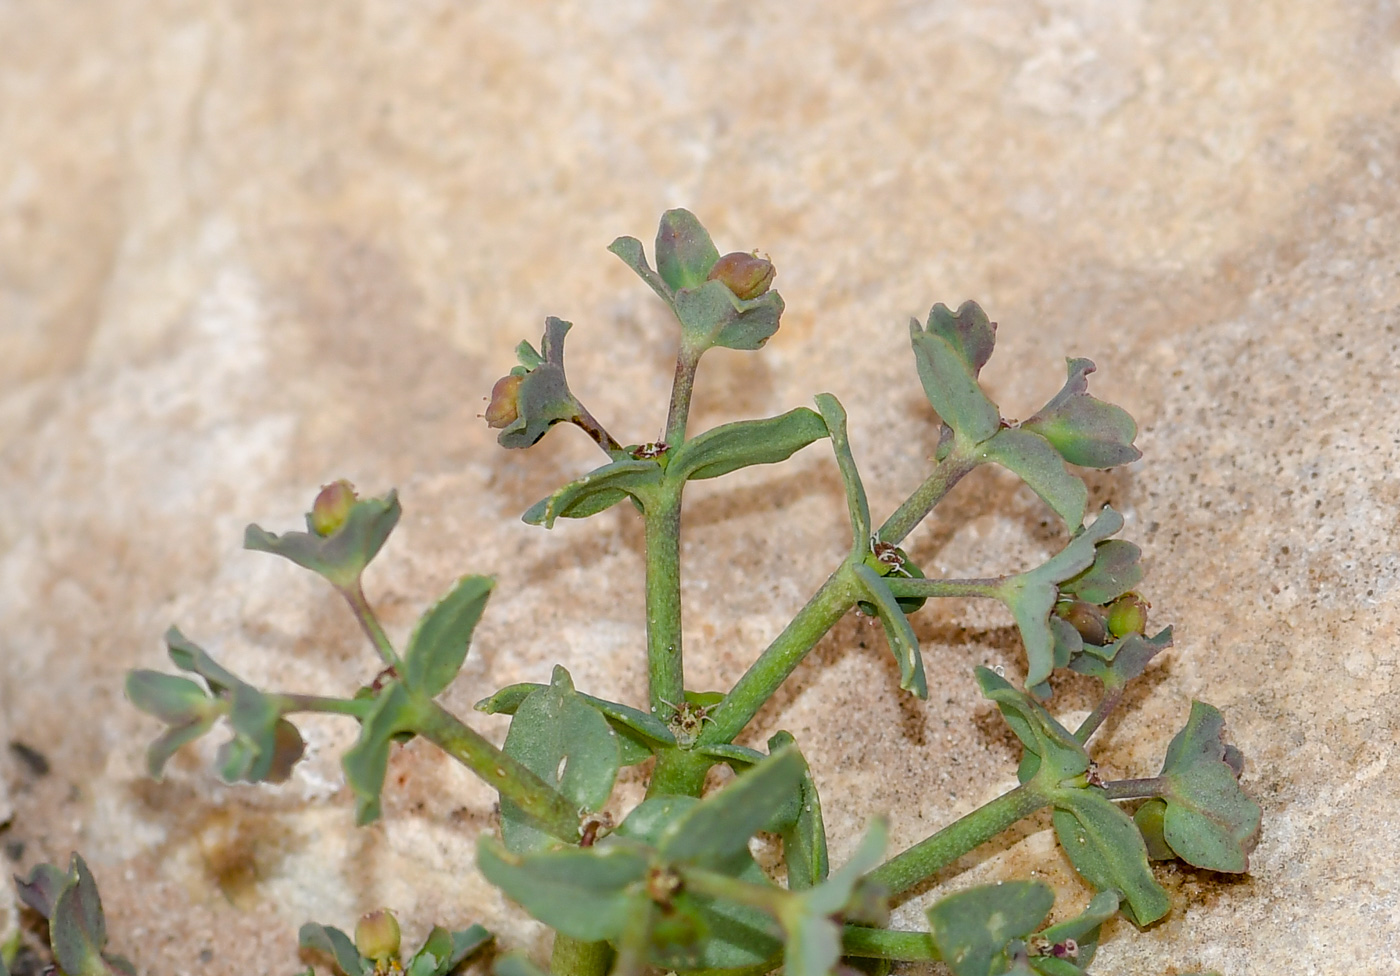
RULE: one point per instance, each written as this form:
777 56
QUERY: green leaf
341 556
684 252
189 656
543 398
639 734
1106 849
77 929
904 644
268 746
568 744
972 928
442 950
584 893
40 892
949 353
337 945
173 700
1126 658
1116 570
181 703
1030 596
366 762
834 415
596 491
630 250
1051 750
712 315
1085 431
719 827
1084 928
1209 821
804 840
440 640
745 443
1035 462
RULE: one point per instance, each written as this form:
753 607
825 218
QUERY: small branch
828 605
687 361
549 808
905 586
935 487
1134 789
369 623
868 943
1090 725
590 426
357 708
929 856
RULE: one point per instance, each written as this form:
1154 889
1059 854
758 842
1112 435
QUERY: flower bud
332 507
1127 615
1086 618
746 275
504 407
377 936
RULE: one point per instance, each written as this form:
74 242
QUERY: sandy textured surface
248 248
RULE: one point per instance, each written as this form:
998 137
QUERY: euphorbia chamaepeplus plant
673 885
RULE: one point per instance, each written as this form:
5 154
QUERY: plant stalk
933 854
590 426
868 943
333 706
678 772
935 487
1090 725
778 660
369 623
905 586
687 361
504 774
663 565
572 957
1134 789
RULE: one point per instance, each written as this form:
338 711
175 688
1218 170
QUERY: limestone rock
247 249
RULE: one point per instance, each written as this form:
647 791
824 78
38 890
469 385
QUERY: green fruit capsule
377 936
1127 615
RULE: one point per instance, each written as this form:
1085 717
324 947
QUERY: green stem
357 707
933 854
572 957
765 897
369 623
663 562
1090 725
1134 789
516 783
687 361
868 943
828 605
904 586
679 772
944 476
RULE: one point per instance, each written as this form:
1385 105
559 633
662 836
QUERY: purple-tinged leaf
684 252
1086 431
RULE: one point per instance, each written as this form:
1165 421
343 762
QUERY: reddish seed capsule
746 275
504 407
332 507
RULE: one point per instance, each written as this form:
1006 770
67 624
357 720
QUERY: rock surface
248 248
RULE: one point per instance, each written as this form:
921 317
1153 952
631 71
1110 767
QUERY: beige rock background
247 248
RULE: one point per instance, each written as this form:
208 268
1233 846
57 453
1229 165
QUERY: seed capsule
746 275
332 507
